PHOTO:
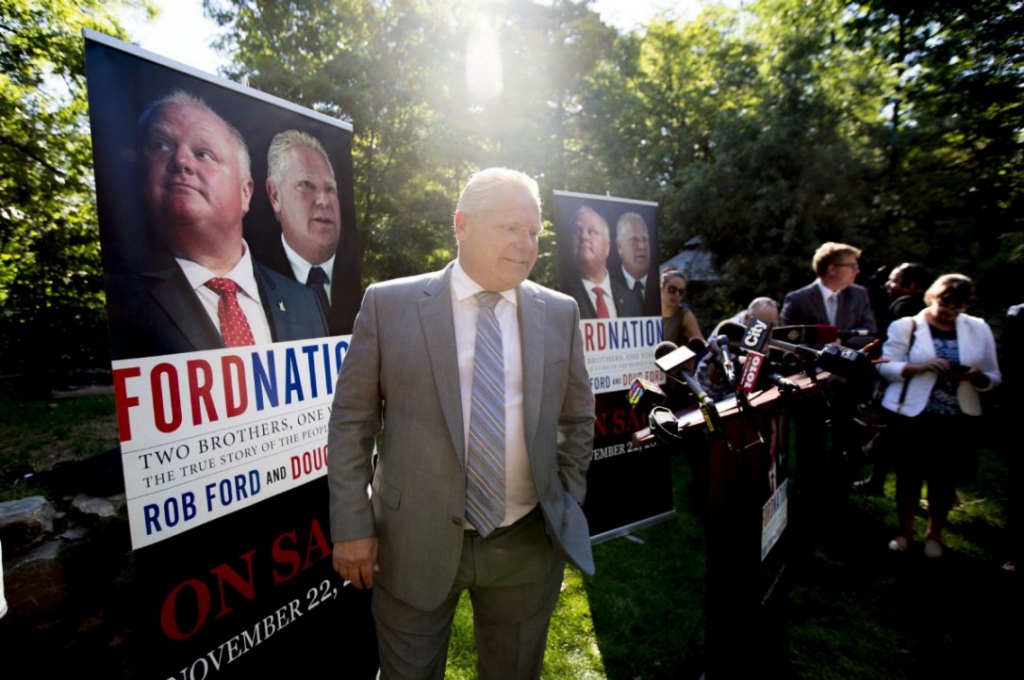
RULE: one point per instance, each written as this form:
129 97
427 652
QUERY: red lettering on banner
626 421
285 557
309 462
621 421
165 421
169 611
595 336
122 402
317 543
233 367
224 573
200 388
186 609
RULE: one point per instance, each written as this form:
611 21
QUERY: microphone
751 371
645 395
841 362
668 356
818 334
757 335
784 384
719 346
732 330
673 360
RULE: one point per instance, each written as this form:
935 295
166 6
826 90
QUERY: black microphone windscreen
732 330
697 345
664 347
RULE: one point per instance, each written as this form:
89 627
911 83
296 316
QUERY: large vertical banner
607 261
232 278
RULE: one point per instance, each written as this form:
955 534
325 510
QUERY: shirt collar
631 280
242 274
827 292
464 286
301 268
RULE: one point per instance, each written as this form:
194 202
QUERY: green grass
36 435
854 610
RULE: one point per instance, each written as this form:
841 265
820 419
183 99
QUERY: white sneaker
932 549
898 544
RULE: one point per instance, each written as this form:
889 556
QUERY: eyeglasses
672 290
852 265
949 304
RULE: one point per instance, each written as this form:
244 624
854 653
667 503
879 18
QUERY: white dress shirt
300 268
606 286
520 492
826 295
248 293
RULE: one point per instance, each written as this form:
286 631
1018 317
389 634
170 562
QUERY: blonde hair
827 254
479 191
278 160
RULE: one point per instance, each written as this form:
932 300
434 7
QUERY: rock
34 583
24 523
89 506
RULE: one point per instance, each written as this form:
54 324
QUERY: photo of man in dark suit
833 299
483 451
633 244
204 291
304 196
598 295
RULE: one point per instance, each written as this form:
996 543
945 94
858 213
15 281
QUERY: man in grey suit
833 299
205 291
596 292
421 370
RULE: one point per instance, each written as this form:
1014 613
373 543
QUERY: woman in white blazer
938 362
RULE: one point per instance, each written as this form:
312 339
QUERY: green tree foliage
885 124
890 124
954 179
51 301
375 64
397 70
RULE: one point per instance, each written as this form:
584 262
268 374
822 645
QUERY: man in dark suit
303 193
205 292
598 295
906 286
474 379
833 299
633 244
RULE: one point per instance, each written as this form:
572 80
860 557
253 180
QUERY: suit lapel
842 308
173 293
273 306
531 338
437 324
818 302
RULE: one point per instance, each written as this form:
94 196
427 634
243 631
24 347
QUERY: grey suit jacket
400 379
626 302
805 306
156 312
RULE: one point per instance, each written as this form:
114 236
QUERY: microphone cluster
749 359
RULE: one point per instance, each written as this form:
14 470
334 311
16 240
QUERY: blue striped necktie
485 459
